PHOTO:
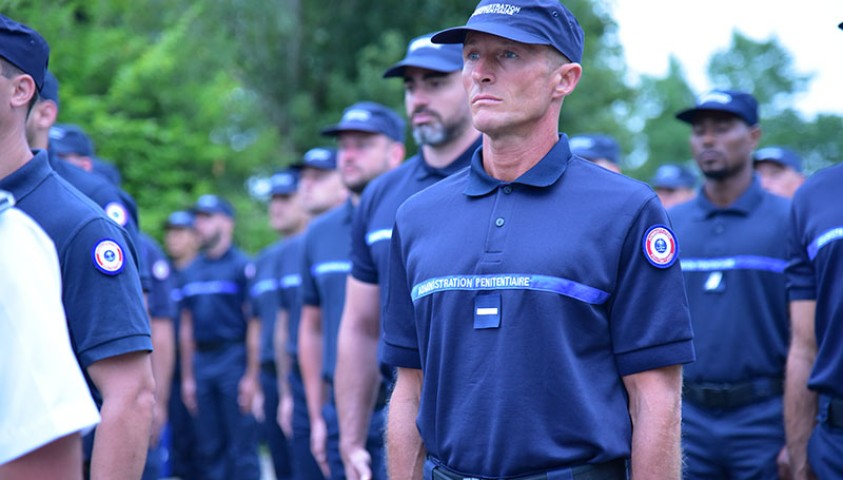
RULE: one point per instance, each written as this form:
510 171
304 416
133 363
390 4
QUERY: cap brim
690 114
339 128
426 62
457 34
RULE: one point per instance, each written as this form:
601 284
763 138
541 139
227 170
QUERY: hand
319 444
188 395
285 415
783 463
247 389
357 462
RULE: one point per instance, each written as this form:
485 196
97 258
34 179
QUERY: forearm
655 408
163 358
800 404
405 451
122 439
187 346
282 358
310 361
357 381
253 341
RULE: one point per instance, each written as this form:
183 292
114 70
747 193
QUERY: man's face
320 190
80 161
510 85
722 144
437 105
779 179
362 156
181 243
674 196
285 213
212 228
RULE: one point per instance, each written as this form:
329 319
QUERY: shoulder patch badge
108 257
660 246
117 212
161 270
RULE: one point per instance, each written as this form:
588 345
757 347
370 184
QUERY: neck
14 153
440 156
182 262
507 157
40 140
723 192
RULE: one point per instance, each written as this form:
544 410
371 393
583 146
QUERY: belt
611 470
216 345
732 395
834 416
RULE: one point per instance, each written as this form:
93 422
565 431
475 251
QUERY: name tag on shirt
487 311
714 282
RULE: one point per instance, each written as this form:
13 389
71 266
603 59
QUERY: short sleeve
400 346
363 267
309 289
801 277
649 317
102 294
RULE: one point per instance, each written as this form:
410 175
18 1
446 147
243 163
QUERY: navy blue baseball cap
369 117
285 182
179 219
673 176
321 158
24 48
534 22
70 139
211 204
781 155
740 104
50 90
595 145
422 53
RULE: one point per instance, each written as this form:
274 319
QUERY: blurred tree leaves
194 97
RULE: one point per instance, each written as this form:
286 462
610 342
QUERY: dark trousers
271 432
825 447
304 465
737 443
227 439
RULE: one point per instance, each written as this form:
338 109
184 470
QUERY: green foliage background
196 97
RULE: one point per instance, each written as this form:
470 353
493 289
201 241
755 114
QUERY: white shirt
43 395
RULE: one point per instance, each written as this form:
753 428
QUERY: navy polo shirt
815 250
375 215
264 296
215 292
525 304
289 288
733 260
327 247
101 290
162 281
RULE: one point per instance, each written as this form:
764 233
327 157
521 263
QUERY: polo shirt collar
543 174
27 178
744 205
424 170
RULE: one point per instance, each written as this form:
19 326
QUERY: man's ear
567 77
23 90
44 114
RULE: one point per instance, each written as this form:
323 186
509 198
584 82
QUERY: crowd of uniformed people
533 354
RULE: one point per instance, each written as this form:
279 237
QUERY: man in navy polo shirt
814 392
534 310
319 190
286 217
780 170
182 245
219 348
599 148
370 140
101 290
437 106
733 258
